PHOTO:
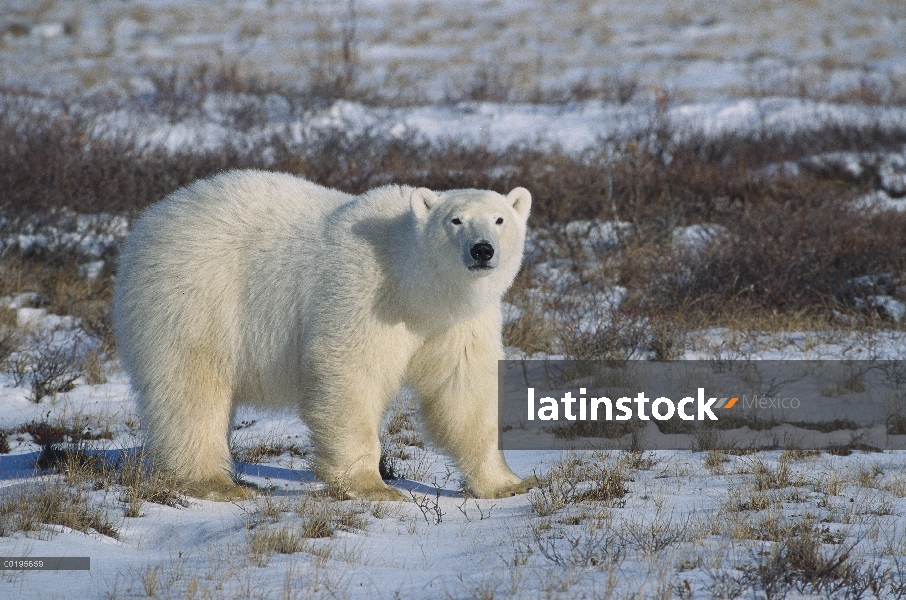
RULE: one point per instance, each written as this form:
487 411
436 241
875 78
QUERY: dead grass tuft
403 452
715 461
260 449
796 559
70 429
140 483
287 525
576 479
52 501
776 478
132 475
790 454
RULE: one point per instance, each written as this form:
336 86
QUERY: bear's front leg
455 376
344 416
347 460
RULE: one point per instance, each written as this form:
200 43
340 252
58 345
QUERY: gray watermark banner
702 405
45 563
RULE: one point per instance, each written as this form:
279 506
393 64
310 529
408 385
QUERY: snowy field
686 524
691 49
573 80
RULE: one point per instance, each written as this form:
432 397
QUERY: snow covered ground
690 524
690 49
573 127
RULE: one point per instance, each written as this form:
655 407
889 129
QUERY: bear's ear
521 201
423 200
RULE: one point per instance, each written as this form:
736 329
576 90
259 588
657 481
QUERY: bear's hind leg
188 415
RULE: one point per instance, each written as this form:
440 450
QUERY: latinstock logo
626 408
815 404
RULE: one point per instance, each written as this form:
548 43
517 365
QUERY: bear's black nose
482 251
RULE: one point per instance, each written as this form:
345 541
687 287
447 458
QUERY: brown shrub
785 256
791 242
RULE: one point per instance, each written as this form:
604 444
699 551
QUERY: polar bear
264 288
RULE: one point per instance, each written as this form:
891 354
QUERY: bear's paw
219 491
507 490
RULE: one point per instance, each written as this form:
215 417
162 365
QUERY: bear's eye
499 220
456 221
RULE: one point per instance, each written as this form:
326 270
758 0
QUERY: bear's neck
432 302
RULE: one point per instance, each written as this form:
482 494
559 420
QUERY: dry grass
68 427
805 558
596 478
659 532
288 525
754 546
763 488
590 542
252 449
896 485
54 277
403 452
797 559
872 89
131 475
139 483
798 454
463 53
714 461
773 478
795 552
531 332
31 506
48 367
228 571
749 498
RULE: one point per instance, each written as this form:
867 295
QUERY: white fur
255 287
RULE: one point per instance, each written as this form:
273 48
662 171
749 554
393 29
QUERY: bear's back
240 203
185 267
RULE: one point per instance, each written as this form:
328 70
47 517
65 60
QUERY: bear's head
479 232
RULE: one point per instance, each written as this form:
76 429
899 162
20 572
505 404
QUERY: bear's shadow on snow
23 466
305 476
